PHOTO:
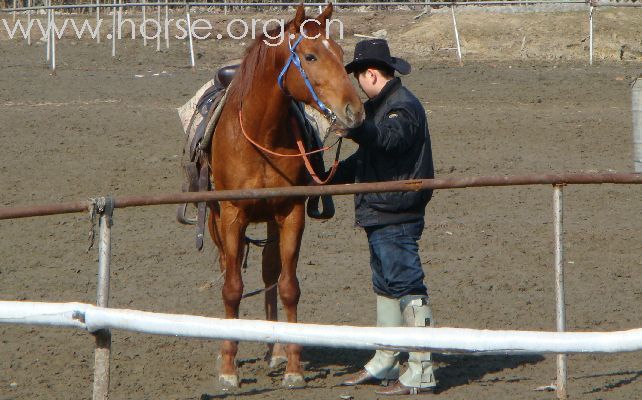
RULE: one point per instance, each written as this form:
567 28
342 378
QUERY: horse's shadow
452 370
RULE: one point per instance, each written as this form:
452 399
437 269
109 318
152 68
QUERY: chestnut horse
248 150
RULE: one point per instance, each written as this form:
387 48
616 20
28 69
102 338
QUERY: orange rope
302 154
273 152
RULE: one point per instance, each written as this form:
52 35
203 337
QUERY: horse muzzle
352 117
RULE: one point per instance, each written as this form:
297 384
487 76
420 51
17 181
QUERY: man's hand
340 131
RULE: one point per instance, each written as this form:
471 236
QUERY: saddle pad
186 111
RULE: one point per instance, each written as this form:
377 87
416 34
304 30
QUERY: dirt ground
96 128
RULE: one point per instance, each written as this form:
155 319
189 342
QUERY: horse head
313 70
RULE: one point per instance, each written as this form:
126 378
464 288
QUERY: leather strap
203 186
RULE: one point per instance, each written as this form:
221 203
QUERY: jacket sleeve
394 135
346 171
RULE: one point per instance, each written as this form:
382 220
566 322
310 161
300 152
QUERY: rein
302 152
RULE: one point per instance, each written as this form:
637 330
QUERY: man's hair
386 71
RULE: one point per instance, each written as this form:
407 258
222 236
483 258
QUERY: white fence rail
93 319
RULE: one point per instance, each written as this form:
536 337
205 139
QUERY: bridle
327 112
294 59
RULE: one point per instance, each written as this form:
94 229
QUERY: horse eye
310 57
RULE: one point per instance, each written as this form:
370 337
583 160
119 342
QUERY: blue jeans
394 259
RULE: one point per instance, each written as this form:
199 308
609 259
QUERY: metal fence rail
302 191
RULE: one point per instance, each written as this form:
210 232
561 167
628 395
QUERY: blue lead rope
294 58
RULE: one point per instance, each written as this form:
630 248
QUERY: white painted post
29 3
113 30
452 9
102 353
158 38
189 32
120 17
48 50
560 385
144 25
53 42
637 124
591 35
166 26
14 13
97 19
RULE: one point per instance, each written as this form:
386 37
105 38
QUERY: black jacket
394 144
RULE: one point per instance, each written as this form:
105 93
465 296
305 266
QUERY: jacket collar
388 89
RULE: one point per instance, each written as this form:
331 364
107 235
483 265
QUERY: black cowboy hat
376 53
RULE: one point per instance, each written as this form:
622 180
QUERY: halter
294 59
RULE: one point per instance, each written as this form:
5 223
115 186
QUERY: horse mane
257 57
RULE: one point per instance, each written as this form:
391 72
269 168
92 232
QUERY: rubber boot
416 312
385 363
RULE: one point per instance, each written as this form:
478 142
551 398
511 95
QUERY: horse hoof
277 361
293 381
228 382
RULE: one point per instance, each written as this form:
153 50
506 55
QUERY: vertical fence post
29 4
166 26
591 33
48 50
144 25
103 337
189 32
160 26
98 19
113 30
53 41
559 284
452 10
636 110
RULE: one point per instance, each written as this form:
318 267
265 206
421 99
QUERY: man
394 144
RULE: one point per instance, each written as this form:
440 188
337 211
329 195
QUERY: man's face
368 80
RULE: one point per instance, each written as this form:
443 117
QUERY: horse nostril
359 118
349 113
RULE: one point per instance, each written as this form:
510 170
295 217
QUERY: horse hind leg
271 269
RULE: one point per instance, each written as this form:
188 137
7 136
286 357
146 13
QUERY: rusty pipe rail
304 191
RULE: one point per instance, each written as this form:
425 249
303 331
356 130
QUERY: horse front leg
290 234
233 225
271 271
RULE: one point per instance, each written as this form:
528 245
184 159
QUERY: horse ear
325 15
298 18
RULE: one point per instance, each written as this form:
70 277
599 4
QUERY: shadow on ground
451 370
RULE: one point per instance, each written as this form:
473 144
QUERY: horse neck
265 110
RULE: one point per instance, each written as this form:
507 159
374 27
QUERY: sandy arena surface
96 128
